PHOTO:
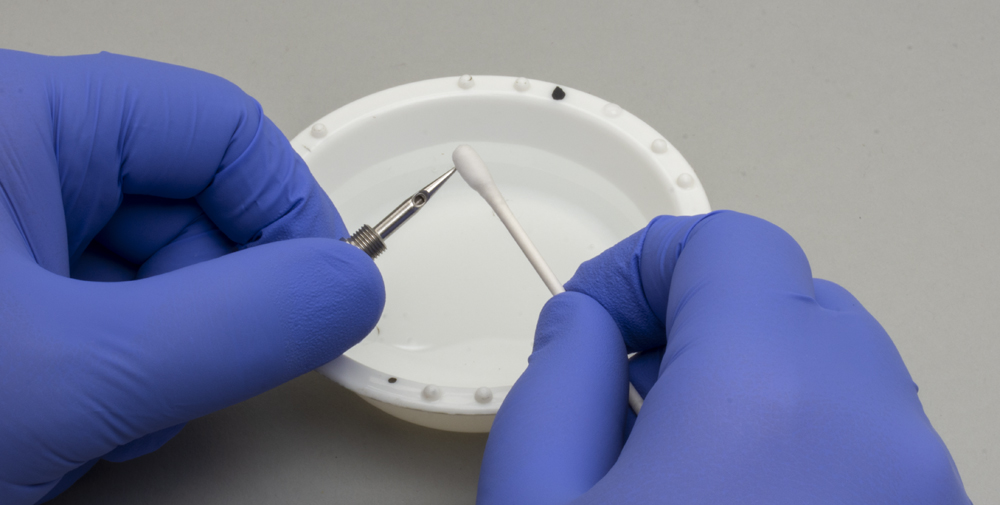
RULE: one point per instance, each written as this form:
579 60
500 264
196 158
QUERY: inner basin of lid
461 300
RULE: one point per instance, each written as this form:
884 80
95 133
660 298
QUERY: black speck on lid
558 93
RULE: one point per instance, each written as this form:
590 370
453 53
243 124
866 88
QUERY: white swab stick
474 171
634 398
472 168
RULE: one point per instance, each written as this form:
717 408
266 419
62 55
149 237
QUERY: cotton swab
472 168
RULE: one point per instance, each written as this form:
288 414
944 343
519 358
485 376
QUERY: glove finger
636 280
177 346
561 426
99 264
612 278
193 244
143 445
197 241
124 125
643 371
143 225
768 382
644 368
162 234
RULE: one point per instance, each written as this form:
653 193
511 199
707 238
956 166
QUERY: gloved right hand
761 384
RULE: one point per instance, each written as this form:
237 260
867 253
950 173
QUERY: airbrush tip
372 240
432 188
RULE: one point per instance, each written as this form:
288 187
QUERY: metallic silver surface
368 241
372 240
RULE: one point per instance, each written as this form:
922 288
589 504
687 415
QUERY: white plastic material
461 302
472 168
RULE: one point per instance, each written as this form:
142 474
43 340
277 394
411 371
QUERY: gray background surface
869 132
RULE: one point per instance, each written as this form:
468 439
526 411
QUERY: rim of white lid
367 381
676 174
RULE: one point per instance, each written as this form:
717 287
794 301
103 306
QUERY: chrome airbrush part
372 240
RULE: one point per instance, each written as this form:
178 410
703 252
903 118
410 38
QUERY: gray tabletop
869 132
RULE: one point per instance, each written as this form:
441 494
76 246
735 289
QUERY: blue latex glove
115 168
761 384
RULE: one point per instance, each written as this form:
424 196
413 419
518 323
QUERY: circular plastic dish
580 174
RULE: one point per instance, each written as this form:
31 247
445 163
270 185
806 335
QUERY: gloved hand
761 384
114 169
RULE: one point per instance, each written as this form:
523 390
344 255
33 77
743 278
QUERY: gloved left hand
120 169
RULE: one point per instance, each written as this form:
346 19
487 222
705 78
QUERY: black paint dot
392 380
558 93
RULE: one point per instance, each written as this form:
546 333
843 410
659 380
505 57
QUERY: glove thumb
115 361
561 427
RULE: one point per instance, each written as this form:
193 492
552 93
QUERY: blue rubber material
229 275
762 385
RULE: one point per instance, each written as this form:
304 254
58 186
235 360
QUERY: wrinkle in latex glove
763 384
114 169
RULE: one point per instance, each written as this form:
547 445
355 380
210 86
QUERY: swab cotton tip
472 168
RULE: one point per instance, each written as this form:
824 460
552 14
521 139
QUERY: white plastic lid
579 173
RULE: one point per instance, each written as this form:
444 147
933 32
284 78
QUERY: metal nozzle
372 240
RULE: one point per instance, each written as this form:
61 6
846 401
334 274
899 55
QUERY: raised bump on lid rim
530 141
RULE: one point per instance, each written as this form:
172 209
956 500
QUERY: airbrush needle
372 240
